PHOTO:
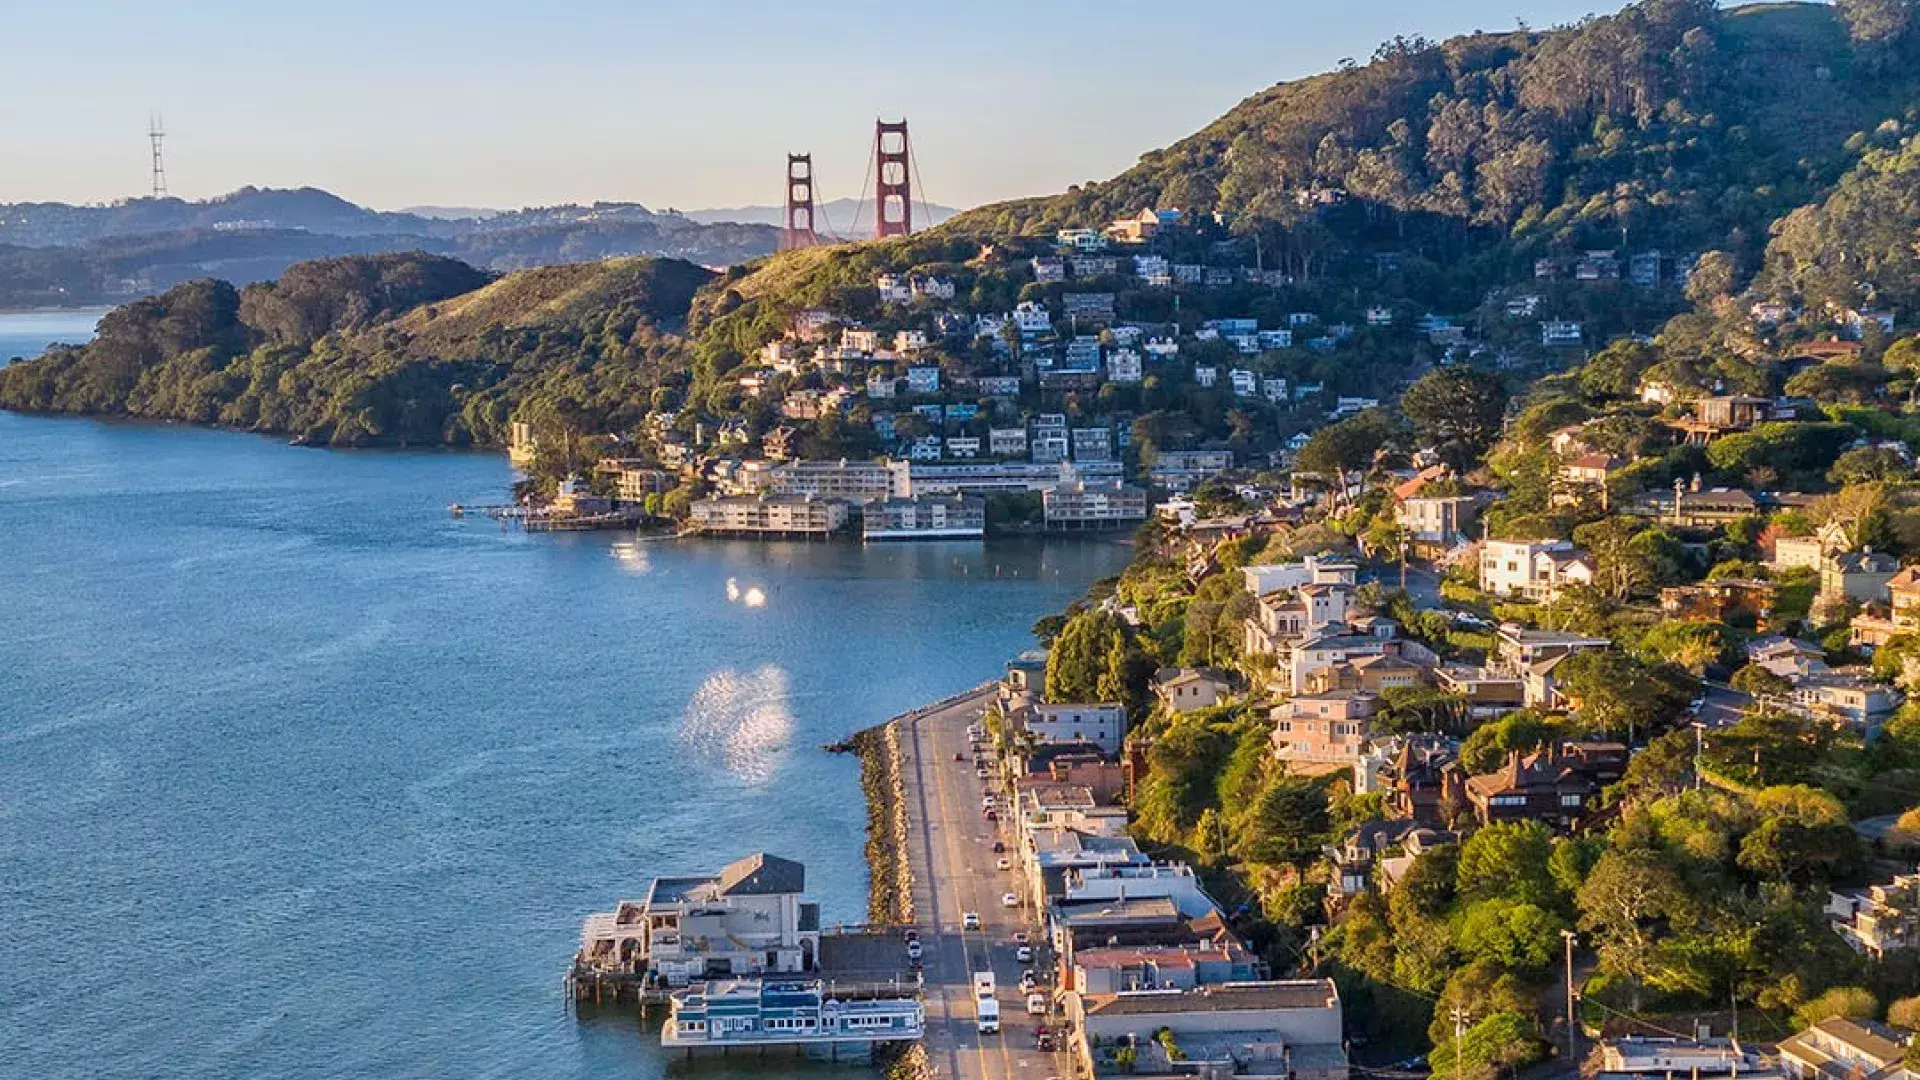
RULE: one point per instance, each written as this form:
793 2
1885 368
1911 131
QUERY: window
1569 800
1509 800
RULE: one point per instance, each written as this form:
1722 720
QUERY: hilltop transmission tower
800 231
892 180
155 133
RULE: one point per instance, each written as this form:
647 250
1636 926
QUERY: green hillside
378 350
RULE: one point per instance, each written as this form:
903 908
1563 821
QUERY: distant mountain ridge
63 254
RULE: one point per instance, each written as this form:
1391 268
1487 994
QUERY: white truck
989 1010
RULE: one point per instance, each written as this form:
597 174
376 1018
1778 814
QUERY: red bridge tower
800 231
892 180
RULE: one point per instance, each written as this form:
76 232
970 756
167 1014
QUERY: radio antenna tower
155 133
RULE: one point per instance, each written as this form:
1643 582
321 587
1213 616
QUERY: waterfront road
951 852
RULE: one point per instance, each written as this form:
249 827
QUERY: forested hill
1669 125
380 350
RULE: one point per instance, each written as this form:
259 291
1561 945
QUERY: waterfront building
1099 725
756 1012
748 918
806 515
1093 504
975 479
927 517
852 480
1182 470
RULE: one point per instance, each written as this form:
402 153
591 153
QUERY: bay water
302 776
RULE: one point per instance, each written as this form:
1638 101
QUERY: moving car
1028 983
1009 900
1024 954
989 1016
913 950
969 920
1037 1006
998 847
1003 863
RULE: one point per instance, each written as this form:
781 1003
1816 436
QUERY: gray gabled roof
761 874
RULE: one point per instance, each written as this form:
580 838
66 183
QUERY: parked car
969 920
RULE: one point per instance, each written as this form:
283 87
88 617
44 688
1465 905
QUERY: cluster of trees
1671 121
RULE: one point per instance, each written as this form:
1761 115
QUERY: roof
1864 1037
761 874
1866 562
1226 997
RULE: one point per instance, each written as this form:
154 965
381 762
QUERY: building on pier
747 919
732 1013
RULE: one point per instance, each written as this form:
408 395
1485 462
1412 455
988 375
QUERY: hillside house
1555 785
1181 690
1532 569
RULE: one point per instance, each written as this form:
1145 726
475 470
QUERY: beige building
1186 689
1086 504
783 514
1256 1030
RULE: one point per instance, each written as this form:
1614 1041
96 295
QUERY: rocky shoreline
890 879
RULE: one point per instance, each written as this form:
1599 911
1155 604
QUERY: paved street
954 872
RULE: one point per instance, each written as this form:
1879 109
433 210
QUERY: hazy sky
667 102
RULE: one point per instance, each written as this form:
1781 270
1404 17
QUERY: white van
989 1023
983 985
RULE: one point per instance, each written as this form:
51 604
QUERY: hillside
1670 125
379 350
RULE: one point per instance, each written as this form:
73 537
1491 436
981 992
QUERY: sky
682 103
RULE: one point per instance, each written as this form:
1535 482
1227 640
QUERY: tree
1855 1002
1289 824
1457 409
1491 742
1760 682
1508 860
1615 694
1868 464
1347 446
1803 836
1876 23
1510 934
1713 278
1620 567
1078 658
1625 903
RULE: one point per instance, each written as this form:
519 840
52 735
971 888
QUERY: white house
1123 366
893 289
1245 383
1533 569
1205 374
1560 333
1032 318
907 341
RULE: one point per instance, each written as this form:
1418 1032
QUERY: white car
1003 863
1024 954
969 920
914 950
1009 900
981 773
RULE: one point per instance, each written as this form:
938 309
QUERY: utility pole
1459 1043
1573 1052
1699 750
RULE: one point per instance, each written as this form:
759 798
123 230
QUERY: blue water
302 777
